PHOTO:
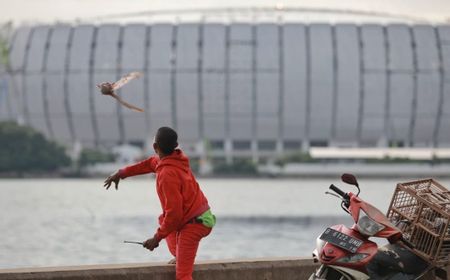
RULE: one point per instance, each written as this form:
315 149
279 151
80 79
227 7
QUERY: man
186 216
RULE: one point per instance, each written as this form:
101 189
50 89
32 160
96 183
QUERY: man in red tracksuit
186 216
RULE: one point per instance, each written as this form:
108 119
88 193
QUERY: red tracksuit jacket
179 193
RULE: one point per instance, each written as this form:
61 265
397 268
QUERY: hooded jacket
179 193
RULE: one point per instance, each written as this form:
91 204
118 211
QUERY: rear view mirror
349 179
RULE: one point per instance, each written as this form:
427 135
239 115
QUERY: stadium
236 89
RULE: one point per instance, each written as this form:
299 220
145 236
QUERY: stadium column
173 74
202 144
334 98
254 94
148 140
120 114
66 87
387 114
362 76
436 129
92 89
25 110
228 139
306 141
279 144
23 71
45 80
414 89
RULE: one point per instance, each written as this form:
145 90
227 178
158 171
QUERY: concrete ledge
249 269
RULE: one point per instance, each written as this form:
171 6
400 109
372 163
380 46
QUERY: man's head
166 140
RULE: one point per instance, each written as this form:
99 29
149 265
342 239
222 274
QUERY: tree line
24 150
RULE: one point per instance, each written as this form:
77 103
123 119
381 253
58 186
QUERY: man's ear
155 147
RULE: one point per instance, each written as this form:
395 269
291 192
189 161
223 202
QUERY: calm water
75 221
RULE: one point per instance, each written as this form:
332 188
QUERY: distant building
252 90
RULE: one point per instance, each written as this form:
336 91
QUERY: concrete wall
267 269
249 269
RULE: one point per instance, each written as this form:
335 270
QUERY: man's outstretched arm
142 167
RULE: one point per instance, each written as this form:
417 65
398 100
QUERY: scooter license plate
341 240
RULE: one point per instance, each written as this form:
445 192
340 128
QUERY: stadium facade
246 89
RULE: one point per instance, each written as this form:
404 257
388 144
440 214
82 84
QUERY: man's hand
151 243
112 178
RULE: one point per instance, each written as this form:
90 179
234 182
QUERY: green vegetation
238 167
297 157
23 150
194 163
91 156
4 45
4 52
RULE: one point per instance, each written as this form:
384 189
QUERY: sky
48 11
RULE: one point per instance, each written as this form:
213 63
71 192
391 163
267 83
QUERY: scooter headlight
320 244
352 259
367 226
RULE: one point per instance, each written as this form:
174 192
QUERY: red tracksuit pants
183 246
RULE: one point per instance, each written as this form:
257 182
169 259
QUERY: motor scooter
348 254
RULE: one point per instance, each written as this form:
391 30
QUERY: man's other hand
151 243
112 178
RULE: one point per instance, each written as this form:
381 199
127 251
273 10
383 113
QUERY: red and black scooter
348 254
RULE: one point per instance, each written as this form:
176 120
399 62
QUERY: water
55 222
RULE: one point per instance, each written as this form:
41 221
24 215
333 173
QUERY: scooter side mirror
349 179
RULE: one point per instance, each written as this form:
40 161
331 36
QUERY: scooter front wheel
327 273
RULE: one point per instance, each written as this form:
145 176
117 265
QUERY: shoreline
293 171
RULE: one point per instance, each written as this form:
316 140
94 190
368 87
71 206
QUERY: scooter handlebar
338 191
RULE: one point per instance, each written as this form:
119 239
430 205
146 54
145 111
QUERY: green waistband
207 218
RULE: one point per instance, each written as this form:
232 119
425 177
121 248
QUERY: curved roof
320 84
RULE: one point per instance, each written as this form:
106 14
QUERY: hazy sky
67 10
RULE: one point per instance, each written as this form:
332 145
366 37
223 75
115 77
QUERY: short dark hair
166 139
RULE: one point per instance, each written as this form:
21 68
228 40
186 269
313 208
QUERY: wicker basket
421 209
